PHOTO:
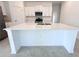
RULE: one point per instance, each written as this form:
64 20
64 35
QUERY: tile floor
36 51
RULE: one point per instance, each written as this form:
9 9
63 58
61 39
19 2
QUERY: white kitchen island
31 34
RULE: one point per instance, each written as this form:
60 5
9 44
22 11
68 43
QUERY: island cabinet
31 34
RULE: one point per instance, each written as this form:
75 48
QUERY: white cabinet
44 7
47 11
30 11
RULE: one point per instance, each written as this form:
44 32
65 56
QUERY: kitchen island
31 34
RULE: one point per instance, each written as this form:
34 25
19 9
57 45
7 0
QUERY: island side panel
11 41
69 40
16 39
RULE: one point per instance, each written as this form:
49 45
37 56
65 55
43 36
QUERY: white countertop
26 26
9 24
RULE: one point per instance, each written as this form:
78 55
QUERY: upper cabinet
32 7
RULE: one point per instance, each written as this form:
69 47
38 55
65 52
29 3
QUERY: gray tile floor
35 51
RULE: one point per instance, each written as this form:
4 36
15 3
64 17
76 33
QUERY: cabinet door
47 11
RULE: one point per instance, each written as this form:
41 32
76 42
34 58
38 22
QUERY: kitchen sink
43 24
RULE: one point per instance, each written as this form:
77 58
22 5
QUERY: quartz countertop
28 26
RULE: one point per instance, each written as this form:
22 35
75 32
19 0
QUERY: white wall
70 13
17 11
3 8
7 9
